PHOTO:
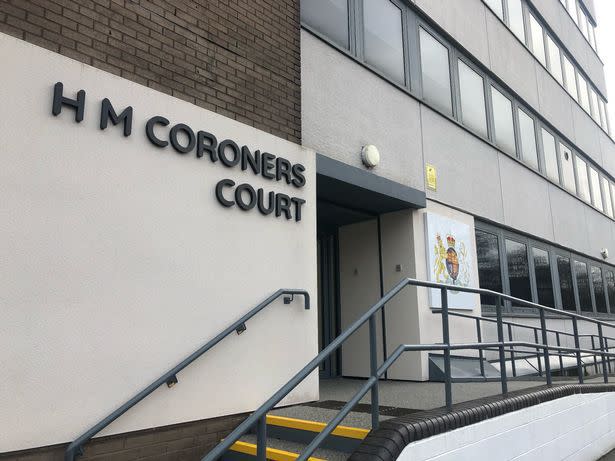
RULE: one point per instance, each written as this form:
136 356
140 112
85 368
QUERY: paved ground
396 398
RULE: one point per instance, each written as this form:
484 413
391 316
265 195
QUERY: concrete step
288 437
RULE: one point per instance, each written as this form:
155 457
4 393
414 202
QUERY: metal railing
511 352
169 378
258 418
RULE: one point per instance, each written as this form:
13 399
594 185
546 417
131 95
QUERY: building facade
168 165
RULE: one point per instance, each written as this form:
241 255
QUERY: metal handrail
258 417
169 378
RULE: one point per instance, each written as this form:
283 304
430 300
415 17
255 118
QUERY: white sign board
450 259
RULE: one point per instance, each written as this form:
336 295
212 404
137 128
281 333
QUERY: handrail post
537 352
601 339
261 439
498 311
479 339
373 367
543 327
595 356
577 345
606 348
559 353
448 391
512 352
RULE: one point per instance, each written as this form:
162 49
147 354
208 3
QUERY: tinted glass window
608 205
548 145
383 37
610 285
515 18
544 284
555 64
569 75
496 7
538 44
572 10
565 283
329 17
489 272
595 186
436 72
472 92
602 108
567 168
583 179
583 22
585 299
518 270
503 119
598 289
593 103
583 94
529 154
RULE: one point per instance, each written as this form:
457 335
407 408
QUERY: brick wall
179 442
240 58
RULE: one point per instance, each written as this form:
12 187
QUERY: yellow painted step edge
273 454
313 426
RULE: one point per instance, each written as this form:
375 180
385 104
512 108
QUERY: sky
605 12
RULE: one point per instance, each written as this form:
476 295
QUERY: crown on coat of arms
450 240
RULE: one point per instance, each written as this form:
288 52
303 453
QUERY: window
593 104
518 270
329 17
555 63
550 153
583 94
570 80
598 289
613 196
496 7
565 283
590 34
503 121
529 154
515 19
472 93
582 22
544 283
610 287
595 187
435 71
606 193
383 38
538 44
583 184
602 108
572 10
585 299
488 258
567 168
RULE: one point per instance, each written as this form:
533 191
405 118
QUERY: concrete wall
472 175
579 427
118 261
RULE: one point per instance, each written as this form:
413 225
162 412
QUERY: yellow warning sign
432 176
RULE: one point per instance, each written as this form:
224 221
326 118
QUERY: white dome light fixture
370 155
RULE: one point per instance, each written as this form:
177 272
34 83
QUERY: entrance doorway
330 218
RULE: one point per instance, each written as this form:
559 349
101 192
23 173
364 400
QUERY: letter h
59 100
